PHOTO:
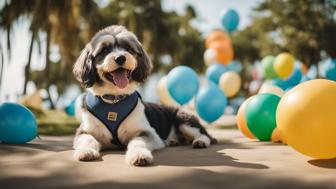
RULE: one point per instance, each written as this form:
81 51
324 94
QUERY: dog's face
114 62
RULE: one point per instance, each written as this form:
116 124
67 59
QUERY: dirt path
235 162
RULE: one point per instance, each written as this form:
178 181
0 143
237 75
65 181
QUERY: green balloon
267 67
261 115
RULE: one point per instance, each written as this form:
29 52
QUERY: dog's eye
105 50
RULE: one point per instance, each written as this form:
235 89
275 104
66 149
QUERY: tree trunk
47 68
27 67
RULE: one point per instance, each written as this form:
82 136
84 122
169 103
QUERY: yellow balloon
284 65
276 136
241 120
164 95
306 118
230 83
270 88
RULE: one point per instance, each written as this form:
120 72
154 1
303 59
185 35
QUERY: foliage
306 28
71 24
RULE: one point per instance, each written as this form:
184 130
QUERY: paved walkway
235 162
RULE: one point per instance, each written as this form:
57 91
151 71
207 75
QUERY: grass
55 123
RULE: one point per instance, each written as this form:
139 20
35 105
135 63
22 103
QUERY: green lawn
55 122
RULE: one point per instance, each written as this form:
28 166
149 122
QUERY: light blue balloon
210 103
17 124
235 66
230 20
305 78
182 84
331 70
215 71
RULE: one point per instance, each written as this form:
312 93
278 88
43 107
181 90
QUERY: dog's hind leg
193 131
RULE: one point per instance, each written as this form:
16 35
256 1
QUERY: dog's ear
84 69
144 66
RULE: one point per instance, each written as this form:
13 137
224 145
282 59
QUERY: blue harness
112 114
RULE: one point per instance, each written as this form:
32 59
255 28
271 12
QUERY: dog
114 116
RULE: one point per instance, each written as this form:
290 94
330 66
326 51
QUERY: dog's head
113 62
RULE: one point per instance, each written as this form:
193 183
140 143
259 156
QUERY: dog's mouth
119 77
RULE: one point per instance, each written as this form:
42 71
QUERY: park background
40 41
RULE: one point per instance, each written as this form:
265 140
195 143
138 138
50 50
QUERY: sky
208 18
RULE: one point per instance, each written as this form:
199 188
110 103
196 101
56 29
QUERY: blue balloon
331 70
230 20
70 109
235 66
215 71
292 81
182 84
17 124
210 103
305 78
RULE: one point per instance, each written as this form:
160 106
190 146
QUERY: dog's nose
120 60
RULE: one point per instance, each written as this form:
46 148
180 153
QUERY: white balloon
267 87
210 56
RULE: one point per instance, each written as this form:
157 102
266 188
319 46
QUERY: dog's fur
135 132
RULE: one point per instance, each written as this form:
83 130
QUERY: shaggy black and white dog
113 114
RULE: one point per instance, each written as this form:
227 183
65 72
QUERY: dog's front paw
139 157
87 154
201 142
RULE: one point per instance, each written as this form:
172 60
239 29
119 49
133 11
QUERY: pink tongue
120 78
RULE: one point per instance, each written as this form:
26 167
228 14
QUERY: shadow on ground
323 163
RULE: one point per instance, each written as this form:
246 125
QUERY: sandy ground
235 162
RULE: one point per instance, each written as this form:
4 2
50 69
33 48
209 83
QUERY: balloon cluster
182 84
302 117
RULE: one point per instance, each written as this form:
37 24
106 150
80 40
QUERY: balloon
254 86
70 108
18 124
294 79
268 68
304 69
230 83
331 70
210 57
230 20
284 65
276 136
224 52
217 36
241 120
260 115
268 87
215 71
210 103
305 78
182 84
164 95
306 118
235 66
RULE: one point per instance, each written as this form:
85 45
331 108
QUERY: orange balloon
217 36
224 52
241 120
304 69
276 136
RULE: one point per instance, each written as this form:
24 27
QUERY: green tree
305 28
